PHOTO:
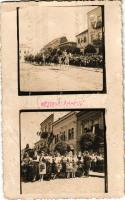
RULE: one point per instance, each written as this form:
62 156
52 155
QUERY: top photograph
61 50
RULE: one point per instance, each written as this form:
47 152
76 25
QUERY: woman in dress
74 168
42 168
68 168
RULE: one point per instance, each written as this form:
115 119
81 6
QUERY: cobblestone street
59 78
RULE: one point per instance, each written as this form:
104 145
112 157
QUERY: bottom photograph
63 151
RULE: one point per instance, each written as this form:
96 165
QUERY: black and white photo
61 49
63 151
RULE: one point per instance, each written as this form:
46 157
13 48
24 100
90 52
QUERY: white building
82 40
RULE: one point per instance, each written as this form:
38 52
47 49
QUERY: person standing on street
87 163
42 168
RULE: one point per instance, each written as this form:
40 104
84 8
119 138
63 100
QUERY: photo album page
62 99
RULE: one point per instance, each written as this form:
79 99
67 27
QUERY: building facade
95 27
70 129
94 34
45 134
65 130
90 122
47 124
82 40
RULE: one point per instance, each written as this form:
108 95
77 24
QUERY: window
78 40
61 136
64 136
84 39
56 138
72 133
69 134
99 18
49 128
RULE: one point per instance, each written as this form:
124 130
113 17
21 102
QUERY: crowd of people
46 166
67 58
88 61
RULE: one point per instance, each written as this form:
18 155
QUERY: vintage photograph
61 49
63 150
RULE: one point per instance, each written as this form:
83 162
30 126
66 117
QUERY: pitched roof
82 32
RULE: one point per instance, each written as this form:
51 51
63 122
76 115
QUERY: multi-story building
70 128
96 27
46 125
82 40
94 34
65 130
46 133
90 122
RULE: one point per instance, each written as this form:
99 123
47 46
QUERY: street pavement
65 187
59 78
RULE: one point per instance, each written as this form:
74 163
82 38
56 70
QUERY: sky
40 25
30 125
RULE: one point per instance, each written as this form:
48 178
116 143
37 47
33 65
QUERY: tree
86 141
76 50
38 58
62 148
44 135
90 49
29 58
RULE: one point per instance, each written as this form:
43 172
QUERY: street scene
65 186
61 56
67 150
54 78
